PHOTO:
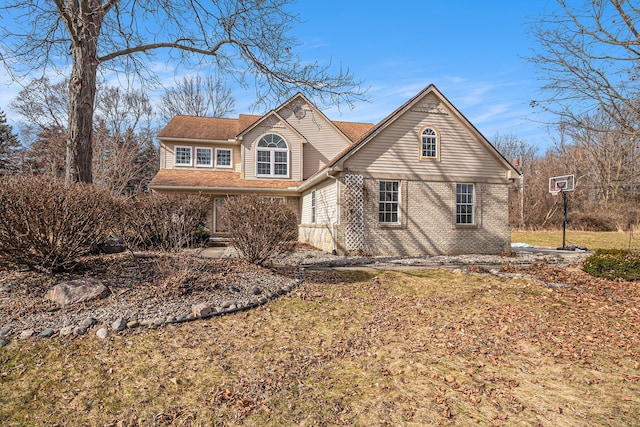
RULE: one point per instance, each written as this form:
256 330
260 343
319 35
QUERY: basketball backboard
561 183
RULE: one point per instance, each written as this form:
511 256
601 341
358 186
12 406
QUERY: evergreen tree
9 146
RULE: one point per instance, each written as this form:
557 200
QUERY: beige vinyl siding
166 161
326 204
396 150
324 141
250 141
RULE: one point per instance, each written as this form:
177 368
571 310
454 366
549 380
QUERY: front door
218 204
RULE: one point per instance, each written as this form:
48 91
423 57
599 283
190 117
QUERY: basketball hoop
562 184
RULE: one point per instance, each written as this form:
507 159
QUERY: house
422 181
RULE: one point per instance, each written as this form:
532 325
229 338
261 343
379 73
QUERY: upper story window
183 156
465 204
272 157
223 158
203 157
429 145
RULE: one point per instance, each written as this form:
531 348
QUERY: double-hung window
223 158
203 157
313 207
388 202
183 156
429 144
465 204
272 157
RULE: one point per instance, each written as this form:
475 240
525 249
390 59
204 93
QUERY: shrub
613 264
46 224
163 221
260 228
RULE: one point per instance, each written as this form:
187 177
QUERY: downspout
334 225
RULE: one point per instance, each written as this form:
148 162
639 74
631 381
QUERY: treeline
605 161
125 153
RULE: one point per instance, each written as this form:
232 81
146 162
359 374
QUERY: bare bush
261 228
46 225
167 222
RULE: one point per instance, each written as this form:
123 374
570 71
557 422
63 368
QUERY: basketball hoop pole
562 186
566 220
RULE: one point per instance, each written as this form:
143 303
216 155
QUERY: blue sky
473 51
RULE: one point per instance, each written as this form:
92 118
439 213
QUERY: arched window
429 146
272 156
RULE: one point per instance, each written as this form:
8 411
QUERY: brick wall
427 221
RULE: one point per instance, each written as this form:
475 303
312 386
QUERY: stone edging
200 311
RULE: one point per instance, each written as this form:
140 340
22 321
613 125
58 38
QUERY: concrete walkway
322 260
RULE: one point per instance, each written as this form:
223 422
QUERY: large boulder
75 291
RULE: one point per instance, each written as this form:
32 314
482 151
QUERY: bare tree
247 39
589 58
197 96
608 159
43 104
522 155
124 156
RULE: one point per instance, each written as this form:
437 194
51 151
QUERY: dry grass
591 239
401 348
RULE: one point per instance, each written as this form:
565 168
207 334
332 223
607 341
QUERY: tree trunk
85 29
82 92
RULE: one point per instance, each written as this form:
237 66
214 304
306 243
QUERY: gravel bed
157 289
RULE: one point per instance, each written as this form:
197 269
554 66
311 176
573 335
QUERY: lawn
431 347
591 239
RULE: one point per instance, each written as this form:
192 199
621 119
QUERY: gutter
331 172
288 190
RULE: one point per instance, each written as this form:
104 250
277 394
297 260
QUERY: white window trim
175 155
230 158
437 136
473 206
272 162
399 221
210 164
314 207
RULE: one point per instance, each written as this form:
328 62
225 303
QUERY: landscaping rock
79 330
119 324
256 290
75 291
201 309
66 331
227 303
27 333
102 333
88 322
5 331
132 324
47 333
4 342
113 245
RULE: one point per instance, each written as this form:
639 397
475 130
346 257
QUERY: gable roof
205 128
224 129
384 123
387 121
353 130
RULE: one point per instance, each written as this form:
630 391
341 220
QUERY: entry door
218 204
